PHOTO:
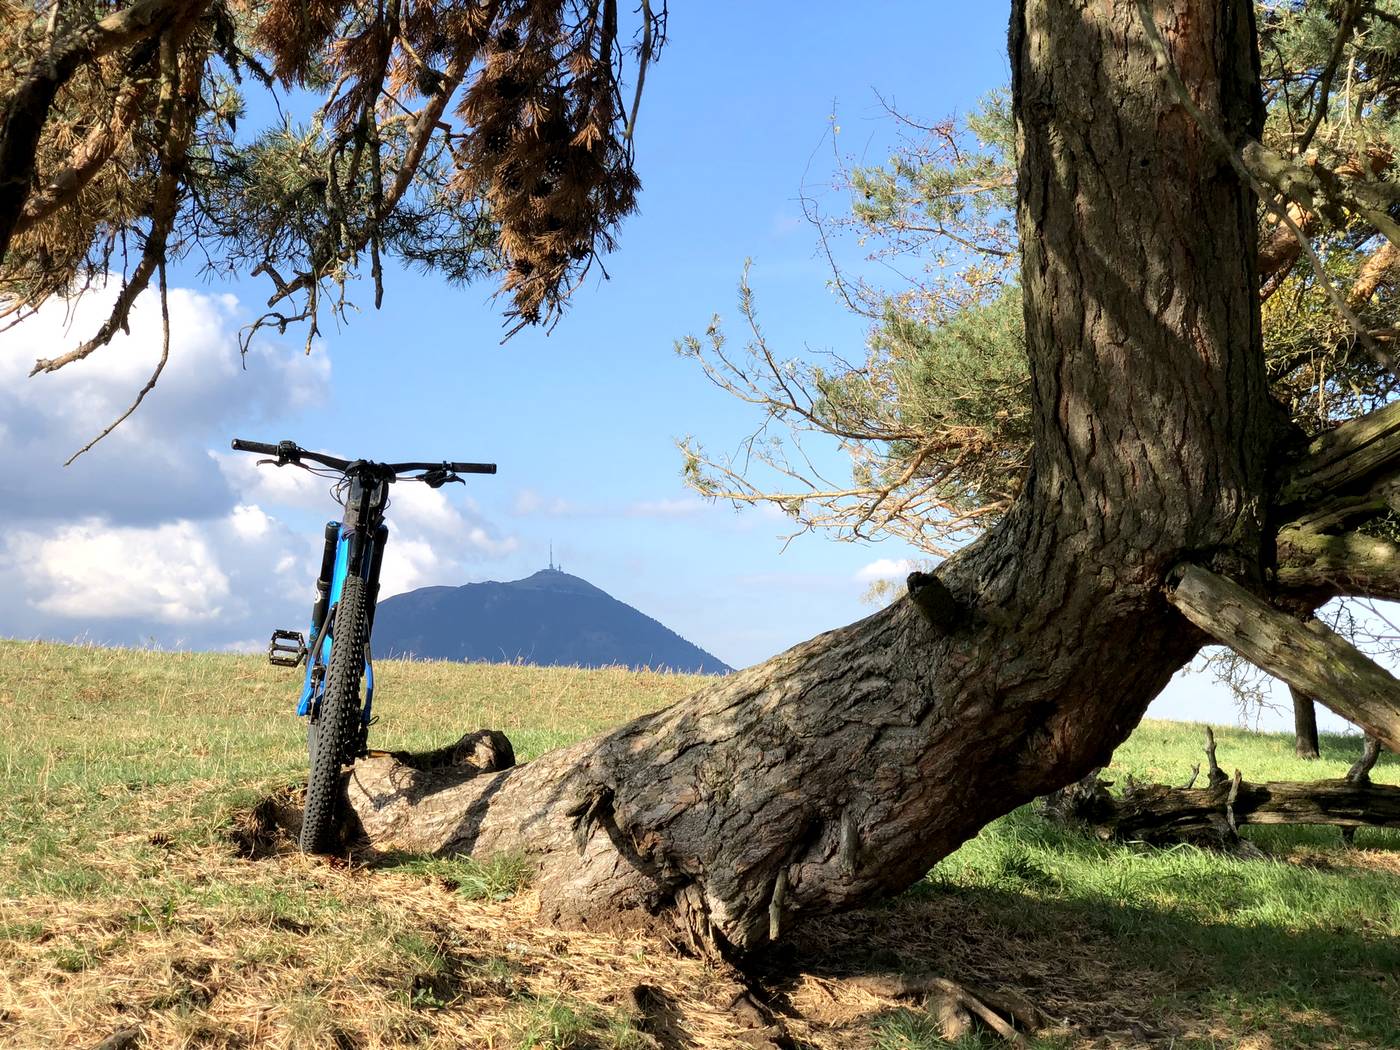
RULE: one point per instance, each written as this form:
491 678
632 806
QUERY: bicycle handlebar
239 445
290 452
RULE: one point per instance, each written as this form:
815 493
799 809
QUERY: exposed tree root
957 1006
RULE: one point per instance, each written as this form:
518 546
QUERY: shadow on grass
1131 947
1346 747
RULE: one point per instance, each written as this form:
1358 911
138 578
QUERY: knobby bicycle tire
336 726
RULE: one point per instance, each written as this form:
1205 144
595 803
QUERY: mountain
548 618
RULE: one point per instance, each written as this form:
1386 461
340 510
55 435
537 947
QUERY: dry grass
126 903
299 953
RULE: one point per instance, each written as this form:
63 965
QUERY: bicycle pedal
287 648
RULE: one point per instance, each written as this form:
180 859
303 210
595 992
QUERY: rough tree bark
843 768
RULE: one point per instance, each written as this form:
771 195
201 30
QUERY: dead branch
155 375
954 1004
1215 776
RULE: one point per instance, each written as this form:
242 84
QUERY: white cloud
249 521
264 484
434 534
408 565
91 570
160 531
885 569
154 466
431 540
484 542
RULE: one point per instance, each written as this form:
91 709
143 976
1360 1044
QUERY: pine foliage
463 137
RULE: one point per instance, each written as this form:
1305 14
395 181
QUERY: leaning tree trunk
845 767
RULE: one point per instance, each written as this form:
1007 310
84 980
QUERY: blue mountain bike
338 659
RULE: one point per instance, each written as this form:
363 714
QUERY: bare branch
150 383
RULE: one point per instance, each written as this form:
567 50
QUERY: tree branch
1350 14
27 109
176 118
1315 188
1350 565
1375 271
424 124
155 375
1355 452
88 156
1310 657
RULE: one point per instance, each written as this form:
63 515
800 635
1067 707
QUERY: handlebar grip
239 445
472 468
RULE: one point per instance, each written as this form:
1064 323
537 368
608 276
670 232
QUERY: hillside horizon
549 618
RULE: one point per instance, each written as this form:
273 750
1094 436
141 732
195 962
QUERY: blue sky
159 536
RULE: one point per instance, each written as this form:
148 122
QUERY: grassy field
126 902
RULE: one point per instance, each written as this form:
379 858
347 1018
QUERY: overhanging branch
1310 657
26 110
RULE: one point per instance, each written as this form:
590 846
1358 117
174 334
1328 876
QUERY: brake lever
438 477
287 455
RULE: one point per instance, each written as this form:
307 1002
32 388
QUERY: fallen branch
1161 815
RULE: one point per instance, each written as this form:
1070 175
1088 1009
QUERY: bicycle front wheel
335 726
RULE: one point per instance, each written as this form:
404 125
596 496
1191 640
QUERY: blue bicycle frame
323 615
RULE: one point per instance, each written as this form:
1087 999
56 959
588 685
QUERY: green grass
122 901
554 1024
103 740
